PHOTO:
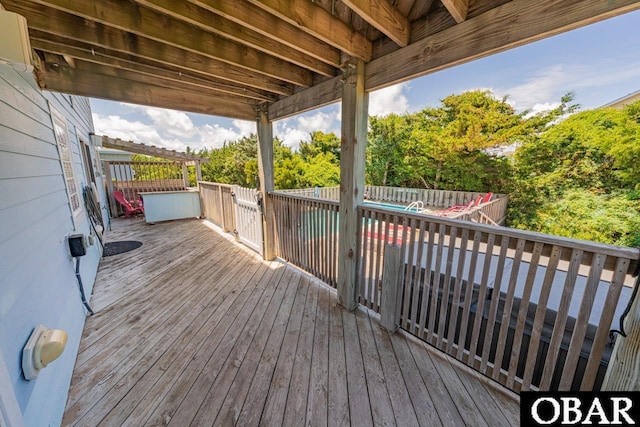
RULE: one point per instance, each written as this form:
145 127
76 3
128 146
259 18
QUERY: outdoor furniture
131 207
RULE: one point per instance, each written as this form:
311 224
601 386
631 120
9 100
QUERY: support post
265 170
112 201
391 279
352 161
198 171
185 174
623 372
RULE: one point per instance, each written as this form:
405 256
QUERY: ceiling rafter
62 24
56 60
209 21
45 43
457 8
134 19
269 26
383 16
319 23
76 82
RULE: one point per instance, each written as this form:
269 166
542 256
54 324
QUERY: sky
599 63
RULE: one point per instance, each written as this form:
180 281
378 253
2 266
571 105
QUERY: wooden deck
192 329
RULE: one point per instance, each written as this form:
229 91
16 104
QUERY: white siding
37 276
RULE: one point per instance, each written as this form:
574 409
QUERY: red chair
487 197
131 207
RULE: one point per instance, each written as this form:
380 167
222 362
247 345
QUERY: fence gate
248 217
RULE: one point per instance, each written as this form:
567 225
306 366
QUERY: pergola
265 60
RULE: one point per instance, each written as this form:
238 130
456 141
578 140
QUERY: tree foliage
579 178
573 175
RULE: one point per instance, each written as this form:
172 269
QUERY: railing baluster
600 340
568 373
435 287
426 283
482 291
455 302
508 306
446 290
468 296
541 311
493 308
522 313
418 276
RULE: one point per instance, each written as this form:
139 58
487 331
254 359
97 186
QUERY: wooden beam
265 169
269 26
491 32
133 19
209 21
145 78
54 44
60 24
317 96
319 23
383 16
513 24
149 150
457 8
73 82
352 160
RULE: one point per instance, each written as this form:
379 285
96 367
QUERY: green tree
578 178
321 143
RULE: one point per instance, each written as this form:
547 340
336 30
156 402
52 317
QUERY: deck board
194 329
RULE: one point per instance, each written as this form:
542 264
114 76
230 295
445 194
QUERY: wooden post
623 372
391 280
198 171
185 174
112 201
222 216
265 170
352 160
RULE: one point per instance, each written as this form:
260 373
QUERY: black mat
115 248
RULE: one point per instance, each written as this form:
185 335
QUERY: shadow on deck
192 329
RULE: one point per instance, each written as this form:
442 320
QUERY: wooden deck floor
192 329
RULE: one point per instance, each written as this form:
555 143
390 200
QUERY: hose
84 299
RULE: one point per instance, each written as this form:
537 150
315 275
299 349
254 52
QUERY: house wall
37 272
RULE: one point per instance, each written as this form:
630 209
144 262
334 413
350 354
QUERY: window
66 159
86 162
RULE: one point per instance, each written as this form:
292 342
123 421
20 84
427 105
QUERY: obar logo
580 409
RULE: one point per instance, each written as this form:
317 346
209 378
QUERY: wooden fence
133 178
217 204
493 212
529 310
306 233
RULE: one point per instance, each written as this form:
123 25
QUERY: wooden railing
134 177
306 233
217 204
529 310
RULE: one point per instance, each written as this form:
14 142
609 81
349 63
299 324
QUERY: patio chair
458 208
131 207
487 198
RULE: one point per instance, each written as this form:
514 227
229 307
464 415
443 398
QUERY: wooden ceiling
232 58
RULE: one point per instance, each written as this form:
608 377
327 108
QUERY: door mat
116 248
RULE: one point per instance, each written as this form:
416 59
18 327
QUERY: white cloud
293 130
170 129
547 87
389 100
